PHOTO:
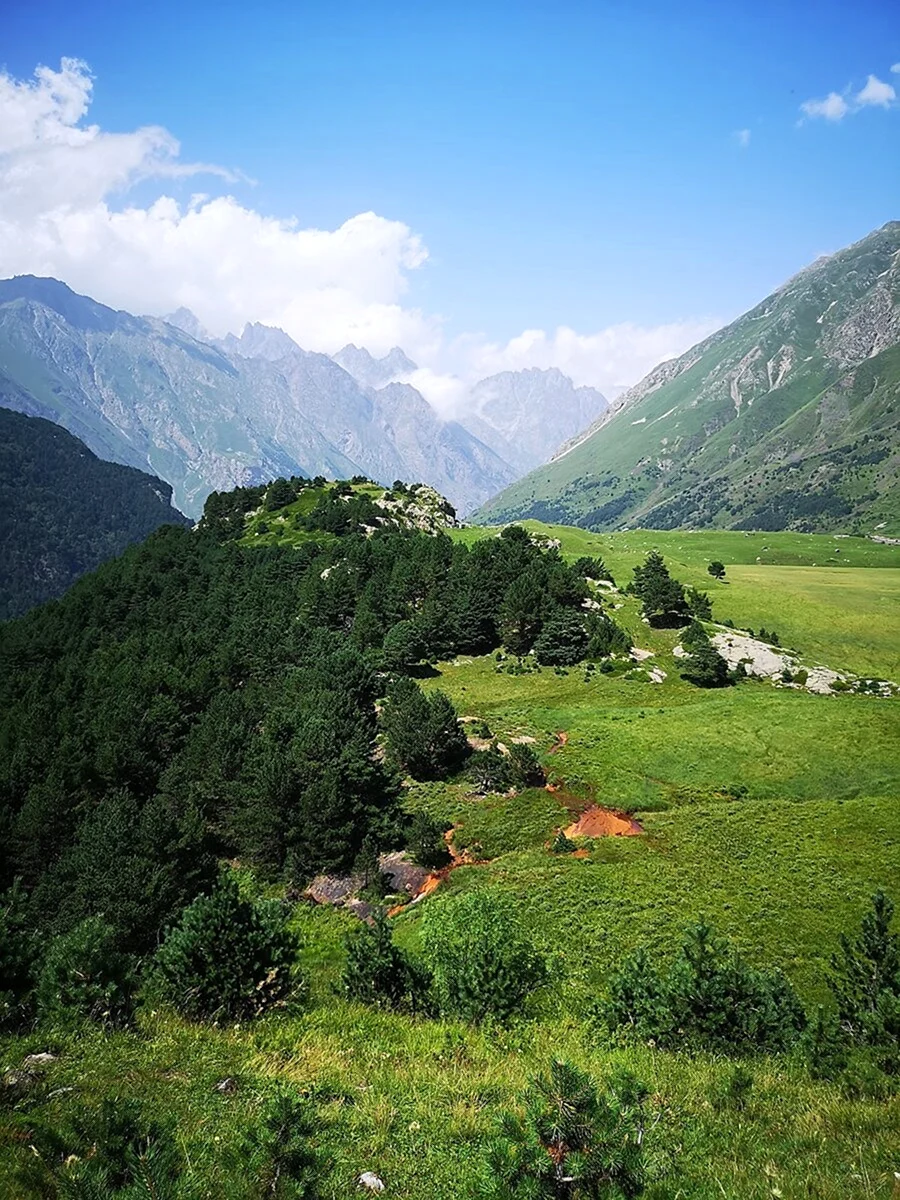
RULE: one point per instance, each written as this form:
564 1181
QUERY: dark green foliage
379 972
699 604
422 733
573 1141
638 998
825 1045
483 962
562 844
734 1091
277 1154
490 771
279 494
136 864
63 511
404 646
592 568
227 958
112 1153
865 978
708 998
704 667
563 639
197 699
525 769
716 569
86 976
373 883
18 953
662 597
425 842
605 637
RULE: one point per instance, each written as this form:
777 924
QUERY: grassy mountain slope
787 419
63 511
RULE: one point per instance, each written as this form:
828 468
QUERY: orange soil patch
603 822
561 738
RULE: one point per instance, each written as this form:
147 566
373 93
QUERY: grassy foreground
771 812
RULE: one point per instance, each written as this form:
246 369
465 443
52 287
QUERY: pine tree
865 977
227 957
662 597
573 1143
277 1153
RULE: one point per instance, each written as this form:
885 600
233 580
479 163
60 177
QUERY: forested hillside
63 511
197 698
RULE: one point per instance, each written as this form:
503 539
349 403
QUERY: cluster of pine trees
196 699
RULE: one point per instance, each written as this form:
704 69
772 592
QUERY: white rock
370 1180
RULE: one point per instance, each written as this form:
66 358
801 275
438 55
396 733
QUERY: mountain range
209 414
789 418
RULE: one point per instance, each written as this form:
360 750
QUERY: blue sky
574 164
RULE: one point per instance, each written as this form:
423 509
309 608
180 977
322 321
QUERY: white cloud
742 137
877 93
832 108
896 68
64 212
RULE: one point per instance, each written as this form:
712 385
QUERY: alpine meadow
449 693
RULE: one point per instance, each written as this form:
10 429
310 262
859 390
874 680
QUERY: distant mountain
63 511
374 372
527 415
789 418
210 416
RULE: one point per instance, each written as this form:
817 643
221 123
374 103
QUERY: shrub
374 884
277 1153
108 1152
573 1143
705 667
227 957
425 842
483 964
865 977
86 976
562 844
824 1046
490 771
605 637
378 972
708 998
662 597
716 569
525 768
403 646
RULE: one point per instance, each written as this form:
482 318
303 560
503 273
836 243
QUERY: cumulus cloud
65 211
742 137
875 94
832 108
896 68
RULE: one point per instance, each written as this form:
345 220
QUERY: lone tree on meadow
716 569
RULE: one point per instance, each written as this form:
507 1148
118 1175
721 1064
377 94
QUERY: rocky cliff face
788 418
